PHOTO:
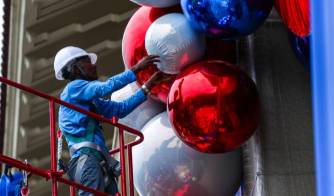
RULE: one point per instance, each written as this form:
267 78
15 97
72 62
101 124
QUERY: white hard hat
67 54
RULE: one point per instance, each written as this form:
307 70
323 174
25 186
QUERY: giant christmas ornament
156 3
226 18
143 113
213 107
133 45
164 165
175 41
296 15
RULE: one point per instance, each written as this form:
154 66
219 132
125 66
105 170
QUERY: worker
90 163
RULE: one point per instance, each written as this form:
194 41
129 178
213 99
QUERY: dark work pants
86 170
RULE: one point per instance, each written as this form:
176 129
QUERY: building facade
39 28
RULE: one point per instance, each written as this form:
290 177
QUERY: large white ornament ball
175 41
143 113
164 165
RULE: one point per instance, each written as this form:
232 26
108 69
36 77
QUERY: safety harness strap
88 142
113 164
79 169
59 148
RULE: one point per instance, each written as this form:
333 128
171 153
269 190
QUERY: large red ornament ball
296 15
133 45
213 106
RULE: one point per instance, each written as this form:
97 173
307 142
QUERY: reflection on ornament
296 15
213 107
133 46
175 41
164 165
143 113
226 19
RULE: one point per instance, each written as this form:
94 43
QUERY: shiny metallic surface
143 113
295 15
175 41
214 107
253 181
164 165
133 46
281 156
226 18
133 42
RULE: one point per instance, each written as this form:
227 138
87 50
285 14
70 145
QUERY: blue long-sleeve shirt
84 93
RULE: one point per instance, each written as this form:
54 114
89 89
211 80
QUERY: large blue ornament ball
226 19
301 47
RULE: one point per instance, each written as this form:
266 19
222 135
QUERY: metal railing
56 176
